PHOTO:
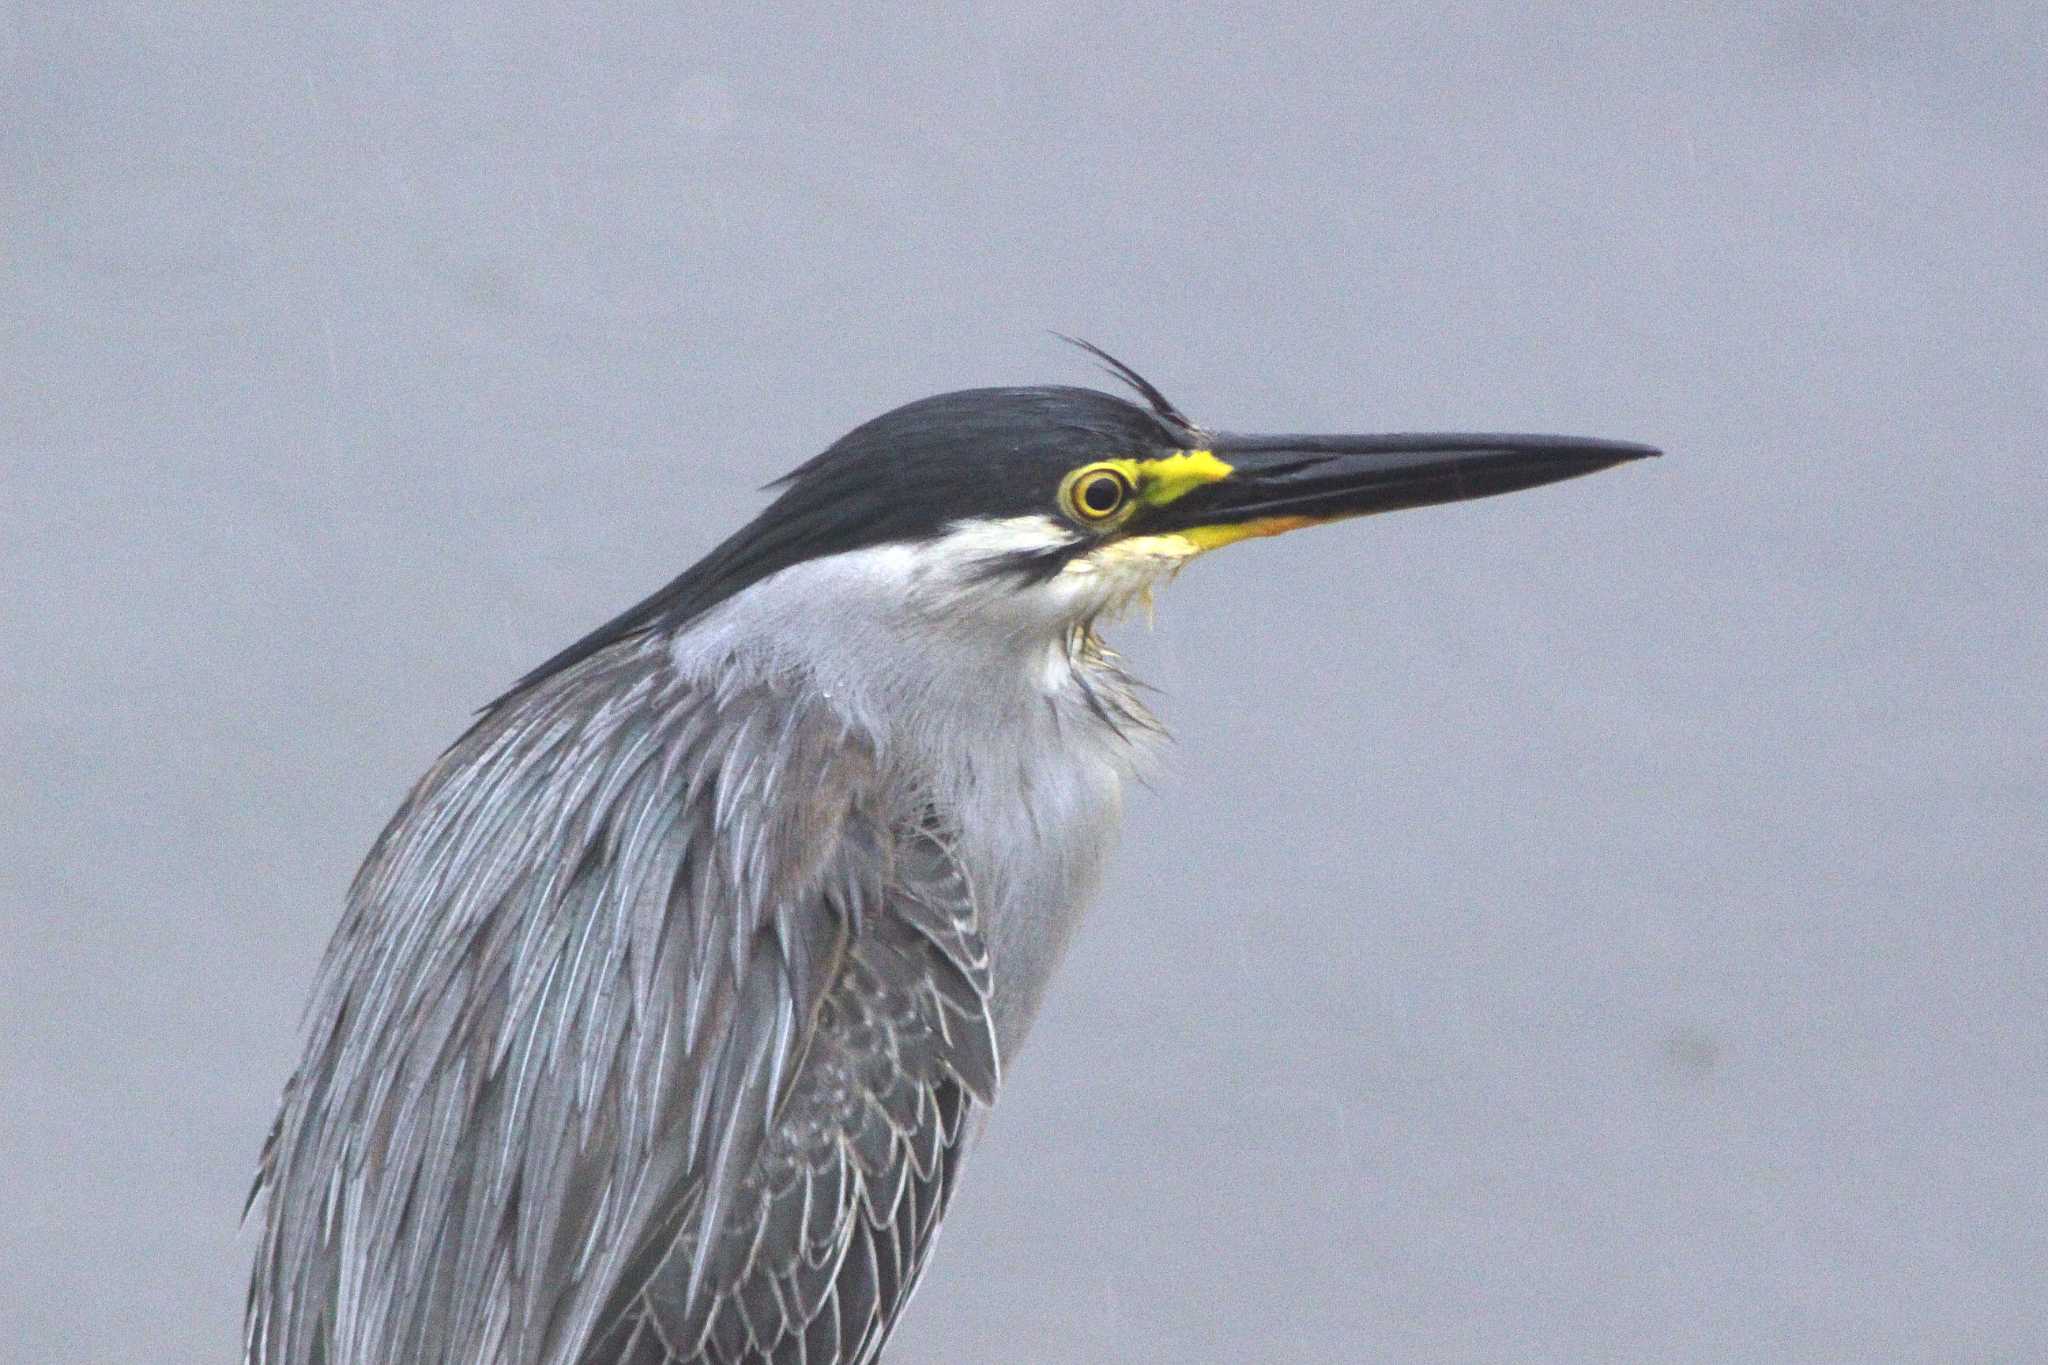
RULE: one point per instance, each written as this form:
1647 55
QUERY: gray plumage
666 1008
663 955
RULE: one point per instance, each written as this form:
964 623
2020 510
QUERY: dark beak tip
1598 455
1620 452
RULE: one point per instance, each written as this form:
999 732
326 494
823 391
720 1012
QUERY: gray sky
1603 923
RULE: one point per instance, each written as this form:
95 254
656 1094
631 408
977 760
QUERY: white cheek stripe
968 541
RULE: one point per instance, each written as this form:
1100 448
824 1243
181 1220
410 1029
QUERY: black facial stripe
1031 567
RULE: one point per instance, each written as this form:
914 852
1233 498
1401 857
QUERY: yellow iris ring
1153 483
1074 491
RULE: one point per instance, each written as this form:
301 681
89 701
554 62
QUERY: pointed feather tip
1160 404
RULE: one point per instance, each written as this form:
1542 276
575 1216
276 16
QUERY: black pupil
1101 494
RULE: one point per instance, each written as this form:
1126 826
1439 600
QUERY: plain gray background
1599 924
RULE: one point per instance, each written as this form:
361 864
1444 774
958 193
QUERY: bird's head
1018 508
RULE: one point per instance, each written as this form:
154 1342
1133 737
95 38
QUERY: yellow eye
1095 494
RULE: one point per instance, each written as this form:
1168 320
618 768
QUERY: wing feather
816 1252
649 1036
567 984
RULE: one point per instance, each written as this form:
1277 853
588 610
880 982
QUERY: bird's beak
1270 484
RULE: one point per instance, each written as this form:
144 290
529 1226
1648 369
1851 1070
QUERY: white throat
990 693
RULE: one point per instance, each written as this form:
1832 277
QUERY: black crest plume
1124 374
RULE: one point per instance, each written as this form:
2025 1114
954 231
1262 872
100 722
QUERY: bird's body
668 1005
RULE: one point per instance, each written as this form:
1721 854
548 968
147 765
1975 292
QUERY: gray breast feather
649 1035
